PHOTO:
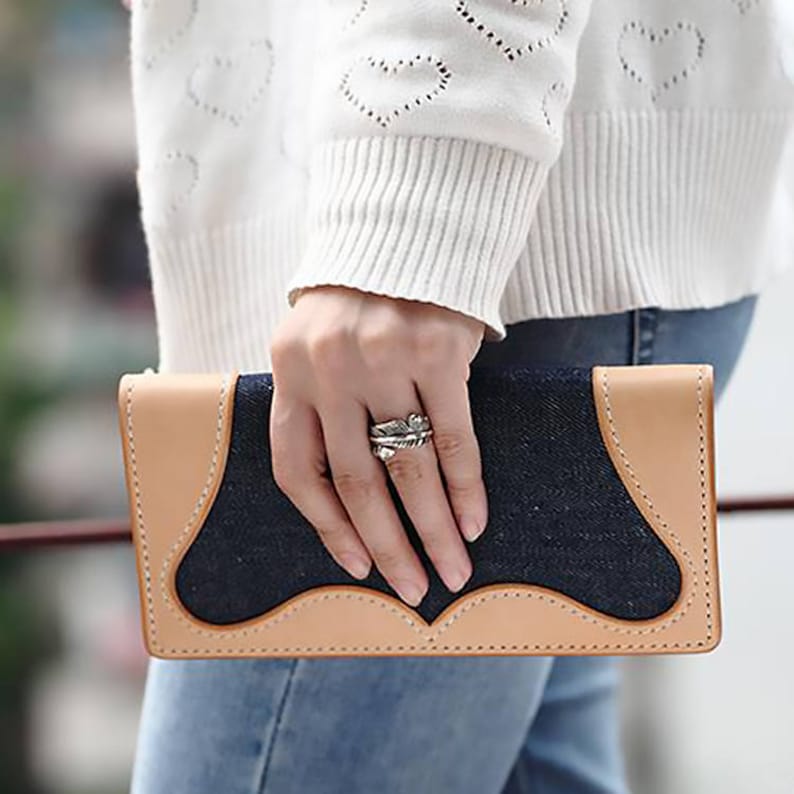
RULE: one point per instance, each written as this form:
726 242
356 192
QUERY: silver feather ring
393 434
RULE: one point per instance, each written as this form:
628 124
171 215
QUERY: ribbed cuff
669 208
218 293
439 220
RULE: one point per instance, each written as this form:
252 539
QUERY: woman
357 196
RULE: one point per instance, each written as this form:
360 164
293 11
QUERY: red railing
34 534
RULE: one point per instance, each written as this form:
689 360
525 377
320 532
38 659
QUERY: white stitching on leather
199 502
428 639
703 507
647 499
139 514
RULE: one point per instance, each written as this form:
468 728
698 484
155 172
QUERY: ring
393 434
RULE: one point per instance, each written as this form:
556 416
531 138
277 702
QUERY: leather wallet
601 534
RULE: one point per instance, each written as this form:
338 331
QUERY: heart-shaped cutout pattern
351 20
660 59
744 6
784 40
545 20
174 177
413 81
231 86
553 105
172 20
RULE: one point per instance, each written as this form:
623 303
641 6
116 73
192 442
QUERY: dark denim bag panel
559 514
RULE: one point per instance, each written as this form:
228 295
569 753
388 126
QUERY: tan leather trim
175 431
657 426
661 441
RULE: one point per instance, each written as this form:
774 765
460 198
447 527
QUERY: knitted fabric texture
508 160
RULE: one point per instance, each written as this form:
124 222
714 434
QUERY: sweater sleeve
433 127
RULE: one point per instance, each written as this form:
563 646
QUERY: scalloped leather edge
657 425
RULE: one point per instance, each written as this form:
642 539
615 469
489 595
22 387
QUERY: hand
339 354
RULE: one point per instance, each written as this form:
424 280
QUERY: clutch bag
601 534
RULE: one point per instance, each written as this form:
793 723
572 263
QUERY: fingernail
456 579
409 591
355 565
470 528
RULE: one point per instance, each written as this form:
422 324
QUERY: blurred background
76 312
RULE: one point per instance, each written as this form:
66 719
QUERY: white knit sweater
508 159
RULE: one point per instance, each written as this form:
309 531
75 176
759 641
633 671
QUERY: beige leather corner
657 426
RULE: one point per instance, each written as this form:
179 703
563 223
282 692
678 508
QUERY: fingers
360 481
353 512
355 357
417 478
298 456
446 401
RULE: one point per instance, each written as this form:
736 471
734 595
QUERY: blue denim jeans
419 725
